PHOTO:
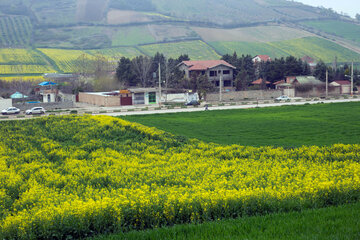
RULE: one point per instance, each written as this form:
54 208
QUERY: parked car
10 110
284 97
192 103
35 110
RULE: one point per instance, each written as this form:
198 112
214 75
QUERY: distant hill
201 28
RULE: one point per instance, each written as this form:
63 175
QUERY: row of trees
143 70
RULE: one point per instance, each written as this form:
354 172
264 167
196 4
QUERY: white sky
350 7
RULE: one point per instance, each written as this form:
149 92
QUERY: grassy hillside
83 175
250 34
346 30
287 126
116 53
315 47
236 11
197 50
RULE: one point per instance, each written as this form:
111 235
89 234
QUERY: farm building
213 69
345 86
133 96
304 86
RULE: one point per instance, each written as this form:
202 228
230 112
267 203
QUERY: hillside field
286 126
79 176
197 50
346 30
315 47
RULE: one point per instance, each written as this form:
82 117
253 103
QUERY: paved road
109 111
226 107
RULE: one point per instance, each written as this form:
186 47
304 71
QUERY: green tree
125 73
200 83
357 16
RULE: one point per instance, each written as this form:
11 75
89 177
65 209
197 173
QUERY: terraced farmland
197 50
315 47
15 31
346 30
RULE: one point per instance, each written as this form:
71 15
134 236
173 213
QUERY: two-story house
213 69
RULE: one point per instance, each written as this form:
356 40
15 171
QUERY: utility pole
220 88
159 85
327 82
352 79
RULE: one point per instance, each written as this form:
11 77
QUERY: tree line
140 71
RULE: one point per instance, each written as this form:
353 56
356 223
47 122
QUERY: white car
35 110
284 97
10 110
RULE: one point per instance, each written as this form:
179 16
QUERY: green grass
116 53
346 30
130 36
312 46
197 50
340 222
287 126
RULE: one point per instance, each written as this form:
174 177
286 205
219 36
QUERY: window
227 83
139 98
226 72
152 98
213 73
203 73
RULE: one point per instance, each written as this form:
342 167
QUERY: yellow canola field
66 60
92 174
23 69
24 78
21 56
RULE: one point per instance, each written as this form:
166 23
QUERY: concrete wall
5 103
99 100
319 92
241 95
47 106
290 92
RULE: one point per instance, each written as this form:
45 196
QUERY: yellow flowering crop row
19 69
78 175
65 59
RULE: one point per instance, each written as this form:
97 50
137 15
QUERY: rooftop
206 64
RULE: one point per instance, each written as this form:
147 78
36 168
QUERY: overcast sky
350 7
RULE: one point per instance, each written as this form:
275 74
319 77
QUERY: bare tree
142 66
84 64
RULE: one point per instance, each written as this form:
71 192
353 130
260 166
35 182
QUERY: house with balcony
213 69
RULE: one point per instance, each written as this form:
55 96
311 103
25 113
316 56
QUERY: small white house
345 86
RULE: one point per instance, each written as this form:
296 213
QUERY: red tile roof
279 82
206 64
343 82
307 59
263 58
259 81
